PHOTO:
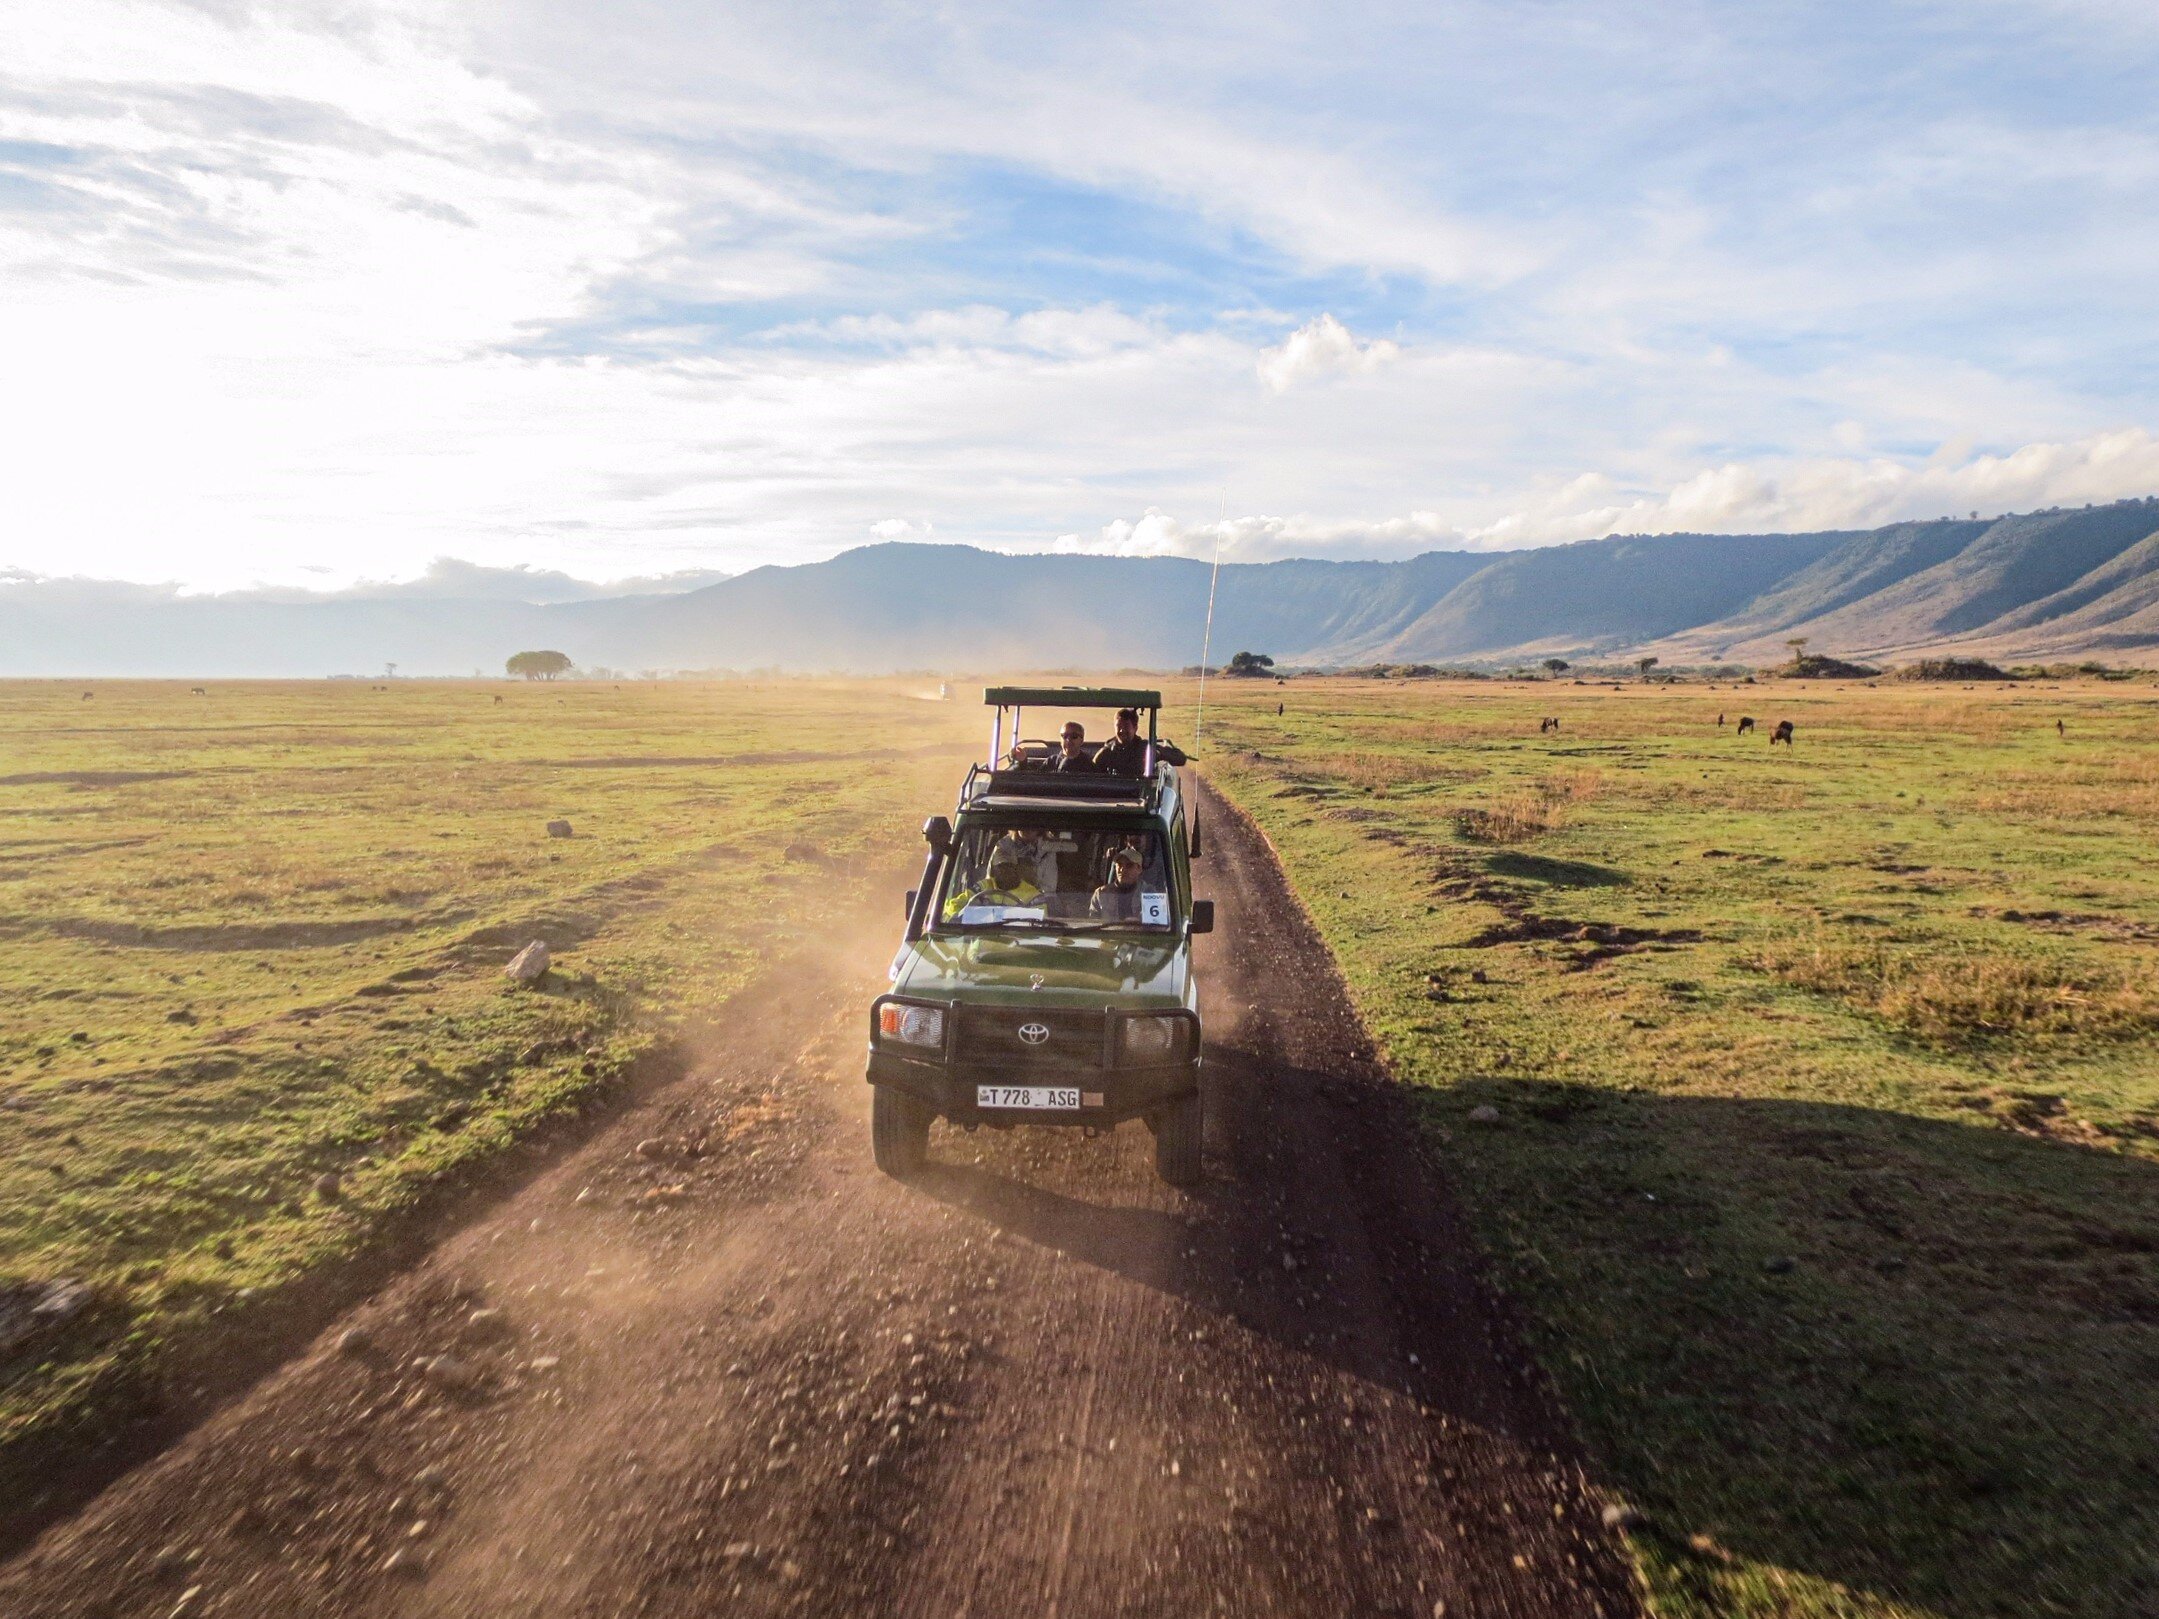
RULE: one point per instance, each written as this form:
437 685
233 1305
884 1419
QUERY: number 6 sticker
1154 910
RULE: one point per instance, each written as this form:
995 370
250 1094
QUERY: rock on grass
529 964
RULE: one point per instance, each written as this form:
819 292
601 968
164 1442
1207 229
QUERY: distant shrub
1412 671
1965 669
2071 671
1820 666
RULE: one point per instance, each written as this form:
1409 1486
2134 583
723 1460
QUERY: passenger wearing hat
1118 899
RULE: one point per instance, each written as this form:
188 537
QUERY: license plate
1055 1097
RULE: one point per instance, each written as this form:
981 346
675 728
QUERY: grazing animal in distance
498 696
1783 734
2060 729
1277 710
1547 724
196 691
86 696
1746 724
1720 722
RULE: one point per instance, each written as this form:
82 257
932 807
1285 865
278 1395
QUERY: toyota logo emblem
1034 1033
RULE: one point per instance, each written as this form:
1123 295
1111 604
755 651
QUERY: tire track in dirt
760 1378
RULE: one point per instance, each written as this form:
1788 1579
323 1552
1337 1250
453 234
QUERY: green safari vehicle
1046 973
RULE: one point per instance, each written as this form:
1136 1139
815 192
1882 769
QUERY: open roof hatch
1043 784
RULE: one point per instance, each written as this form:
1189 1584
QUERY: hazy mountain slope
1604 593
908 606
920 606
1863 564
1348 613
2112 609
2018 561
2122 587
76 633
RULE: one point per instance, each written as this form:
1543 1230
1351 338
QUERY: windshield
1063 877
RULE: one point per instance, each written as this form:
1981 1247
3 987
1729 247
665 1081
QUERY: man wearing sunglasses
1074 757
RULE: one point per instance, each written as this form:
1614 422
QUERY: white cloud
1319 347
1847 492
1734 498
311 290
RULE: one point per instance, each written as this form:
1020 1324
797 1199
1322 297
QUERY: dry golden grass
1543 807
1953 997
1377 773
2126 787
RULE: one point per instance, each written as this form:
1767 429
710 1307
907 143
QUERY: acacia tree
538 665
1250 663
1645 665
1555 667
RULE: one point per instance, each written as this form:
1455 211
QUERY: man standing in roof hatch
1125 754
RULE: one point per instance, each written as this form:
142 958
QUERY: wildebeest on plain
1746 724
1783 734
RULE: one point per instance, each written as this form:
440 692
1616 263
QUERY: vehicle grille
989 1037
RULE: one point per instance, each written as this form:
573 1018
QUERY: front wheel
1177 1131
899 1131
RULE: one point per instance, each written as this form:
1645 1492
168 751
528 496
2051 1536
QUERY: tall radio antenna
1206 643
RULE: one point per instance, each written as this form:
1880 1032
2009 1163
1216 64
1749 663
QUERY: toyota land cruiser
1046 972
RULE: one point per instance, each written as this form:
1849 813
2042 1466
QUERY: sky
298 294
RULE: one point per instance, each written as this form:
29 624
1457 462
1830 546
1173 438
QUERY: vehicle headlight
911 1025
1152 1039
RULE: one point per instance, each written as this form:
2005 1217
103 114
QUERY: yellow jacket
1022 892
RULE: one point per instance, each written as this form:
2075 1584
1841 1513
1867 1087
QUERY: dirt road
714 1363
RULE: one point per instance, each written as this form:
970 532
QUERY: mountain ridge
2053 584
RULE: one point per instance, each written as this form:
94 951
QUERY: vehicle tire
899 1131
1177 1132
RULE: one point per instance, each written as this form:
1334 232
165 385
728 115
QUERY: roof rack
1058 787
1069 697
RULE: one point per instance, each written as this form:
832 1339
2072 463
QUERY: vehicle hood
983 970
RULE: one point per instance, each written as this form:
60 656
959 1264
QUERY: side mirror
937 833
1203 916
911 893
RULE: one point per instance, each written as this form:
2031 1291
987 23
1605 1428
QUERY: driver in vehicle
1125 754
1118 899
1007 885
1036 851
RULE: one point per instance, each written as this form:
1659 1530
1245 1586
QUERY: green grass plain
1826 1159
256 937
1826 1080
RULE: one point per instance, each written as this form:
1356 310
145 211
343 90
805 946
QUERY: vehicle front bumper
1107 1096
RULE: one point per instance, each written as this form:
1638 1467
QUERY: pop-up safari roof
1069 697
